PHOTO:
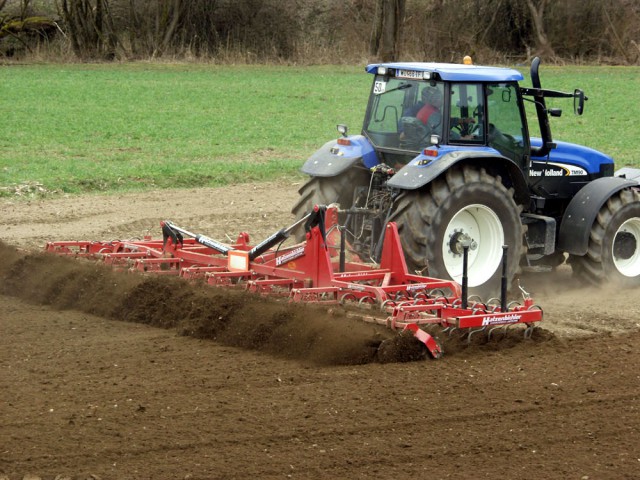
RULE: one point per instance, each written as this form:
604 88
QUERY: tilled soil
112 375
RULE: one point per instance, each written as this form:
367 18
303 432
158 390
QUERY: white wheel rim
625 250
483 226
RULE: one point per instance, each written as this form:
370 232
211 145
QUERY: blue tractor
445 152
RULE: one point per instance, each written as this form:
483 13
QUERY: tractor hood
569 155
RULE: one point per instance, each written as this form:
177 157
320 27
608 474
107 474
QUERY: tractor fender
424 169
578 218
333 157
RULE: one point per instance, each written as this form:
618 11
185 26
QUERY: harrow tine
472 332
528 332
451 330
366 302
504 329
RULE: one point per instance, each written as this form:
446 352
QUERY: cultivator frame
316 271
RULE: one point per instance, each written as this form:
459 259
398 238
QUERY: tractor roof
452 71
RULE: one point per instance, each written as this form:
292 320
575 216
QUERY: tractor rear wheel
465 204
613 254
327 190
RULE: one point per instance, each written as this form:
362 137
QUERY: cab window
505 126
387 105
466 113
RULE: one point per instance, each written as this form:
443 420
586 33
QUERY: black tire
327 190
613 254
465 200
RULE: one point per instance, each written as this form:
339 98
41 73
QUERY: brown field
116 376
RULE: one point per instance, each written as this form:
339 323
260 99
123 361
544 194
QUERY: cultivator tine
504 329
473 332
448 330
528 332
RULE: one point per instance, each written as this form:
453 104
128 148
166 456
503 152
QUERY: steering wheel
468 129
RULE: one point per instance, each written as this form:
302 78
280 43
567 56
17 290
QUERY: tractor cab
416 105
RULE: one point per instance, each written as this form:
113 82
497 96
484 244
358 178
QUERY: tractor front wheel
464 206
613 254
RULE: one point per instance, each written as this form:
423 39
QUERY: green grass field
108 128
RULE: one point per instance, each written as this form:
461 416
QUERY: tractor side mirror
578 101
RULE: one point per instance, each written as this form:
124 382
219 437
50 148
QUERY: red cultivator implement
317 271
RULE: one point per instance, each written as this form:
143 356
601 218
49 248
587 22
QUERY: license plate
379 87
409 74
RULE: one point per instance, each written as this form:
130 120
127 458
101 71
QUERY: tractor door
506 123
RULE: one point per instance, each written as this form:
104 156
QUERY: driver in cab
433 99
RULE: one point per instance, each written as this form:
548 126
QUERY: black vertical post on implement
465 277
343 241
503 284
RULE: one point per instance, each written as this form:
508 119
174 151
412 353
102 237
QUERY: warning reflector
238 261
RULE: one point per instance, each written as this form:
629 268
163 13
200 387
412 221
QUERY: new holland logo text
553 169
287 257
513 318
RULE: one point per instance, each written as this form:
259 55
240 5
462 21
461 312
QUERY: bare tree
536 8
90 26
619 45
24 8
167 15
389 15
22 30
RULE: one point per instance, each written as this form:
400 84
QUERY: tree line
323 31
